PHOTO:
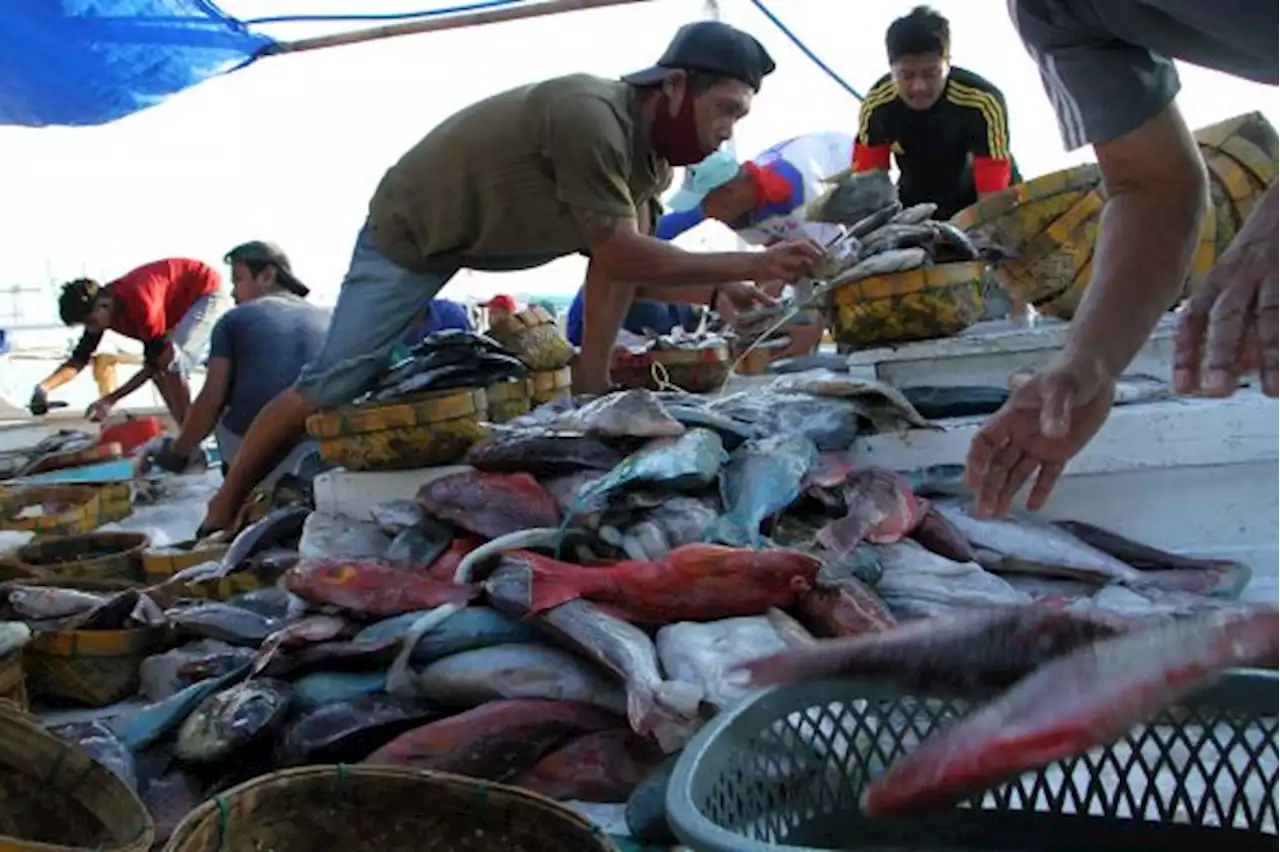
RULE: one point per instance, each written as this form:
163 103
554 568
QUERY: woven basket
381 809
508 400
918 304
161 563
89 667
58 799
535 338
694 370
87 507
421 431
551 385
13 679
74 557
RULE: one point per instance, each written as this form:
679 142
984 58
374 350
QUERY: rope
385 16
804 48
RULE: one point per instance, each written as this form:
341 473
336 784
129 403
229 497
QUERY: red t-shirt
151 301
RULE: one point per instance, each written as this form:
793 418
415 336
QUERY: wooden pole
452 22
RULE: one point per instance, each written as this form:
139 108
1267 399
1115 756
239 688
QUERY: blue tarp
89 62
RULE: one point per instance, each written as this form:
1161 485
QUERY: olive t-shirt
499 178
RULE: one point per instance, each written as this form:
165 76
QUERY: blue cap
712 173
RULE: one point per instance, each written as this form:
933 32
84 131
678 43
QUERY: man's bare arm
624 254
1156 198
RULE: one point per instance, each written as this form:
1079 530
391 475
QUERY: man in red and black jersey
946 127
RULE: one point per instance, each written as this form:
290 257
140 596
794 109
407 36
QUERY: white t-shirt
805 162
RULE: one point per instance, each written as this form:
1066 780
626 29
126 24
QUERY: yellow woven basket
919 304
95 556
84 507
535 338
508 400
552 384
423 431
13 679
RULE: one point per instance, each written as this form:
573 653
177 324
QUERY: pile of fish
447 360
678 338
881 237
568 608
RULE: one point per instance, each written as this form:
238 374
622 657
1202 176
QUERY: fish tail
842 535
816 662
641 709
552 583
727 530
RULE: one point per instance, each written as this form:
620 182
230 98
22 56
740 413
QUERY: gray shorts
376 306
190 338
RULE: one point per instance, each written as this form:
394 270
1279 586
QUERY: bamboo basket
86 507
550 385
694 370
918 304
428 430
510 399
93 668
13 679
382 809
1052 221
534 337
58 799
69 558
161 563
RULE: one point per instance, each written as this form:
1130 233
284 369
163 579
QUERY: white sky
290 148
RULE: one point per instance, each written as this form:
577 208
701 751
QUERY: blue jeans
376 306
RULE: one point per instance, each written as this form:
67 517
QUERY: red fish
696 582
446 564
370 588
973 655
845 607
941 536
310 630
599 767
490 504
881 509
1081 700
496 741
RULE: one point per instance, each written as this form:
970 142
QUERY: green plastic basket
784 772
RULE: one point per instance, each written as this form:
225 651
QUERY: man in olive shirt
555 168
1108 68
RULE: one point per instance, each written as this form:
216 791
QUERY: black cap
264 252
713 48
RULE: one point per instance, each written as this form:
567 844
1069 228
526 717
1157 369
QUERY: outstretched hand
1045 422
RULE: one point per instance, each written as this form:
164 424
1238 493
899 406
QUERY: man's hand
744 297
39 404
1230 327
788 260
98 411
1044 423
219 515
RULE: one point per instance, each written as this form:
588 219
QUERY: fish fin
640 709
816 662
552 583
843 535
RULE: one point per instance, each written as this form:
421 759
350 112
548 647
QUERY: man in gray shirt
256 350
1107 67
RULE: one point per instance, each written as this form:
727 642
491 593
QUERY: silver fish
278 527
214 620
396 516
876 220
895 235
897 260
919 583
953 238
41 602
916 214
471 678
881 403
679 520
420 545
228 720
1033 546
633 413
13 635
668 709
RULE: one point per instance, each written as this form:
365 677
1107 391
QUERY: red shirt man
169 305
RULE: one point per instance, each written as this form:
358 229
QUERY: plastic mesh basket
785 771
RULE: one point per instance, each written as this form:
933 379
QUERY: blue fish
762 478
321 688
152 722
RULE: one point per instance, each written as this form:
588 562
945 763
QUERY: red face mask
675 138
